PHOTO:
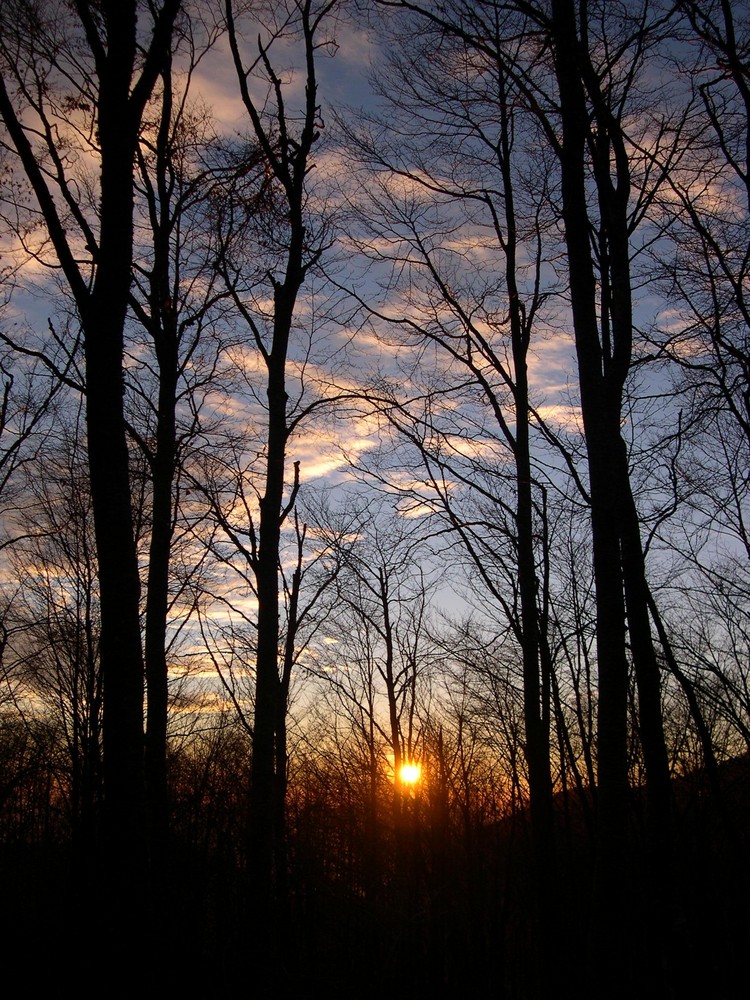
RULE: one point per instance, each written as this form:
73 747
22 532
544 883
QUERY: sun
409 774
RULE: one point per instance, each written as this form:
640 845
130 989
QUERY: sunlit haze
409 774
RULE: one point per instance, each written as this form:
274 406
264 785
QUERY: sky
337 348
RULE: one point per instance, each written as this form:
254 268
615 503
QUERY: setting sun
410 774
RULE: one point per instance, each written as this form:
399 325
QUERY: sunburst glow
410 774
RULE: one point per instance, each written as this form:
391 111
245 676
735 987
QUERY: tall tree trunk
123 87
612 906
157 604
103 320
536 715
287 154
269 740
164 330
604 350
263 811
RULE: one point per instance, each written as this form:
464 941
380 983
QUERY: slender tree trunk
157 603
264 781
165 334
286 150
536 720
103 319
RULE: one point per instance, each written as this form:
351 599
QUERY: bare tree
75 83
456 221
574 68
176 301
55 624
271 239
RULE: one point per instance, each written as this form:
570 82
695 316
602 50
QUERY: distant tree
463 222
378 645
55 624
24 413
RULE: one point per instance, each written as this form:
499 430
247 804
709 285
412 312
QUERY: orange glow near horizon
409 774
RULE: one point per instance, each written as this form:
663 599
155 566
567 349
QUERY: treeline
354 425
